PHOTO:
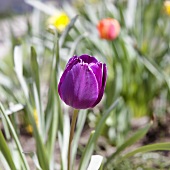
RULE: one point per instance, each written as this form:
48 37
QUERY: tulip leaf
53 125
41 151
35 69
18 67
18 145
138 135
6 152
86 155
36 89
53 78
56 62
146 148
94 136
65 33
63 140
33 156
53 89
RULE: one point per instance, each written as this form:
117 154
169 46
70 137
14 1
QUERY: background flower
59 21
29 128
167 7
108 28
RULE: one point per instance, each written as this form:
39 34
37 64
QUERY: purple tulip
83 82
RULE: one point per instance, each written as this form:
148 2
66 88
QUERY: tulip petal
74 89
103 85
111 32
73 61
97 70
88 59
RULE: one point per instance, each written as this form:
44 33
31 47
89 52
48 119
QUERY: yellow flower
59 21
29 128
167 7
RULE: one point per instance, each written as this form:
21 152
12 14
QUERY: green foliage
6 152
138 73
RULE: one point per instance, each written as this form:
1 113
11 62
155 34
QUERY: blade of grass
65 33
34 158
53 128
154 69
4 164
6 152
137 136
147 148
36 89
41 151
25 164
56 75
6 128
53 78
18 67
35 69
83 162
64 141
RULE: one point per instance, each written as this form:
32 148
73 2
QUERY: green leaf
36 89
137 136
6 152
93 139
52 132
147 148
33 156
65 33
35 69
41 151
86 154
53 115
18 67
63 139
53 77
18 145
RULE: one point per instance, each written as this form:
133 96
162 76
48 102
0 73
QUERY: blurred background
138 62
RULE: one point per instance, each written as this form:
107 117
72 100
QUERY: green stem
73 123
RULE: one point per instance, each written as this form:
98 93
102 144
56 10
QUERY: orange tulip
108 28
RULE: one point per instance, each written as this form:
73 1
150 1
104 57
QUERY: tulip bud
108 28
83 82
